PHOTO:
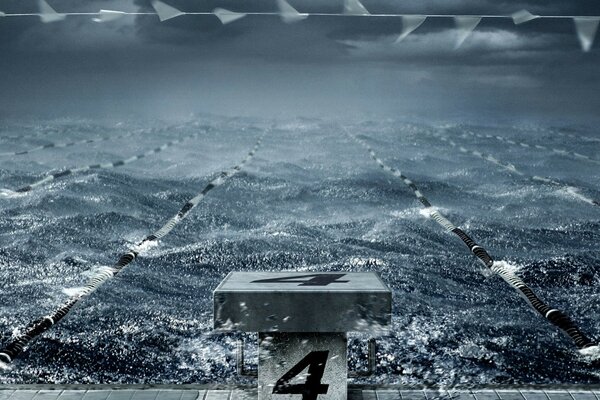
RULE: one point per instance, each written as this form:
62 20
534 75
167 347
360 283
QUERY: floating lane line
41 325
579 137
561 152
31 136
556 317
65 144
108 165
574 191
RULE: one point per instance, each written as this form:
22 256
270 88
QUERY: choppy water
311 200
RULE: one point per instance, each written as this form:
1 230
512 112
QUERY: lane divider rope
109 165
574 191
65 144
33 136
578 137
561 152
556 317
41 325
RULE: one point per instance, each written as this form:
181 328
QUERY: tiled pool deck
171 392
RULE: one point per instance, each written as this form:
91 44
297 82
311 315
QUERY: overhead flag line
520 17
308 14
108 15
409 24
41 325
465 25
585 26
512 169
288 13
586 31
165 11
556 317
48 14
354 7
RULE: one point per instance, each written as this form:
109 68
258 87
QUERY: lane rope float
555 316
561 152
574 191
41 325
90 167
65 144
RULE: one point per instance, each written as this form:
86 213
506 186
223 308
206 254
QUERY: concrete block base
311 365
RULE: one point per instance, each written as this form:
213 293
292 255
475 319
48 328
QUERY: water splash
74 291
9 194
145 246
574 192
501 265
506 266
591 354
4 366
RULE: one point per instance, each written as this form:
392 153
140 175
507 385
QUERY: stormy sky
323 66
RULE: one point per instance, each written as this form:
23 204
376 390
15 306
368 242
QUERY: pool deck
191 392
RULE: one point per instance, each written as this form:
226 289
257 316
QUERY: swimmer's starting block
302 320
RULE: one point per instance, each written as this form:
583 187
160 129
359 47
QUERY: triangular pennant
465 25
226 16
288 13
354 7
409 24
108 15
165 11
47 13
523 16
586 30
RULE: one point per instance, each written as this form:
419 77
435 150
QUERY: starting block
302 320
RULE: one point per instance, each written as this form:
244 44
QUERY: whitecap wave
591 353
72 292
507 266
4 366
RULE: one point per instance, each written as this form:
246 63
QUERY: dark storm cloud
317 37
320 65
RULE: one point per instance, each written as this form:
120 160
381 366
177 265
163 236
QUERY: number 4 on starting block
302 320
305 366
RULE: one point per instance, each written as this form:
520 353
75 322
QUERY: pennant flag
288 13
47 13
226 16
586 31
523 16
354 7
165 11
409 24
465 25
108 15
